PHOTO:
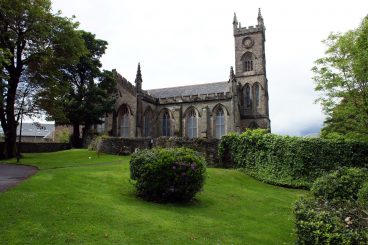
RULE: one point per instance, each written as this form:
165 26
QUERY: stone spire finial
138 79
235 21
232 74
260 18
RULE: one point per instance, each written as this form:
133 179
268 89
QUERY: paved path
12 174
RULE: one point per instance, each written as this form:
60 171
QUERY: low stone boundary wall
208 147
43 147
124 146
118 146
37 147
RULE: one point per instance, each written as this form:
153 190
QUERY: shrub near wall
334 215
318 222
290 161
167 175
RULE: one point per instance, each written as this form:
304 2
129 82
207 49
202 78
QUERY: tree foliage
342 78
34 43
83 96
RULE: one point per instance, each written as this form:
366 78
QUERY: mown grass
75 200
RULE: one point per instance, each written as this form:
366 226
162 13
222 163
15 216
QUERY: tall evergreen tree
86 92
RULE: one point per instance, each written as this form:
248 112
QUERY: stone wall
208 147
118 146
43 147
124 146
30 147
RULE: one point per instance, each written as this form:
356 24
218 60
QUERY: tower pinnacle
232 74
260 18
138 78
235 21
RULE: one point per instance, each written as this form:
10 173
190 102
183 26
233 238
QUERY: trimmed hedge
167 175
289 161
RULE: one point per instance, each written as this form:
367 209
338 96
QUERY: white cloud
188 42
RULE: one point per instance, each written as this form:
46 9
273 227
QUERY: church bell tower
250 73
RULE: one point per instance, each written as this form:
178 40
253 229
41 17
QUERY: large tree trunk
76 140
11 124
10 140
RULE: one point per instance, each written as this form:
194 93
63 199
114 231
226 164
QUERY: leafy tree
345 123
84 96
342 78
36 43
2 57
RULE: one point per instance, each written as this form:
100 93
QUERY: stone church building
205 110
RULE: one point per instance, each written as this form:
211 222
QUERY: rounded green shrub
343 184
317 222
168 175
363 196
139 160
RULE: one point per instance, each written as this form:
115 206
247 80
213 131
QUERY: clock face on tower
248 42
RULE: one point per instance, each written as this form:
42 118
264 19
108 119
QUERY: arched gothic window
166 124
147 123
256 94
124 124
247 62
220 123
247 96
192 124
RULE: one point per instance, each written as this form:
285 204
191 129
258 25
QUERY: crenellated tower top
239 30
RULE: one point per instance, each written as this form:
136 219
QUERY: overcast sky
190 42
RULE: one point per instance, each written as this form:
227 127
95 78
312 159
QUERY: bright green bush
342 184
141 160
62 136
290 161
363 196
333 215
168 175
317 223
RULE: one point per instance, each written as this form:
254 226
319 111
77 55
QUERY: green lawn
75 200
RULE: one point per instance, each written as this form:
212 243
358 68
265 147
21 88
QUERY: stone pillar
204 123
114 123
178 121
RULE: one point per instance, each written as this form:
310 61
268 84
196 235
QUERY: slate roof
206 88
29 129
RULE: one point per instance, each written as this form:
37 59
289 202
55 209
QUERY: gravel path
12 174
